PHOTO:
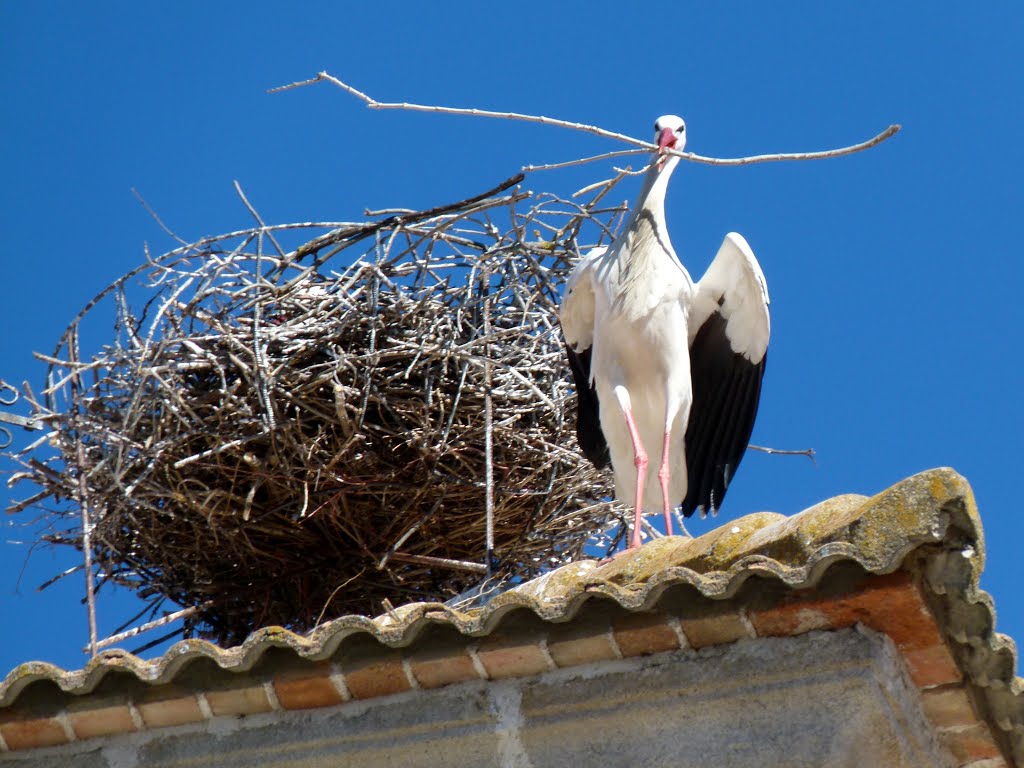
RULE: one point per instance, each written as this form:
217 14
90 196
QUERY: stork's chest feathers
642 276
647 240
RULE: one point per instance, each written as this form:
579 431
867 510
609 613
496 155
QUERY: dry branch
372 103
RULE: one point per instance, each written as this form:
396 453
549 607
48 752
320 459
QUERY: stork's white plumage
664 363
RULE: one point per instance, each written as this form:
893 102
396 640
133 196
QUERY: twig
442 562
156 218
332 238
583 160
488 423
83 500
257 342
388 212
609 183
21 421
214 451
182 614
892 130
808 452
335 592
372 103
259 219
155 642
412 529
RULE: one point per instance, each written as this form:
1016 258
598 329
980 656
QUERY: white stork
662 362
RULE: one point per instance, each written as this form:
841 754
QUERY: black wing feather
717 436
588 410
726 392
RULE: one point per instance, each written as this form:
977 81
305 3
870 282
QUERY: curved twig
892 130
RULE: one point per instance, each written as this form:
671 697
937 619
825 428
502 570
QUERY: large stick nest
273 433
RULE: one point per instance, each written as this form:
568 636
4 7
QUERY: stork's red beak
666 139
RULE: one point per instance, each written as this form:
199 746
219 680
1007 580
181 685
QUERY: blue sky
894 276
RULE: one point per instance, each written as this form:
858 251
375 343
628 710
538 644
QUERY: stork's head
669 133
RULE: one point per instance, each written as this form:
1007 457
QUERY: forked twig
372 103
808 452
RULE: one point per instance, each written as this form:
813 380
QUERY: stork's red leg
663 476
640 460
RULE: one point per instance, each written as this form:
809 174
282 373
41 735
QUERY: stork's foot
638 520
613 557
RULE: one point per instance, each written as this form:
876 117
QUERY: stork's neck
652 195
646 242
642 265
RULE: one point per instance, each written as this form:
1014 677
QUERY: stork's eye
680 129
656 128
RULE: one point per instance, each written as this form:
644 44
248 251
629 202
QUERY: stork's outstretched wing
577 319
588 412
729 330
